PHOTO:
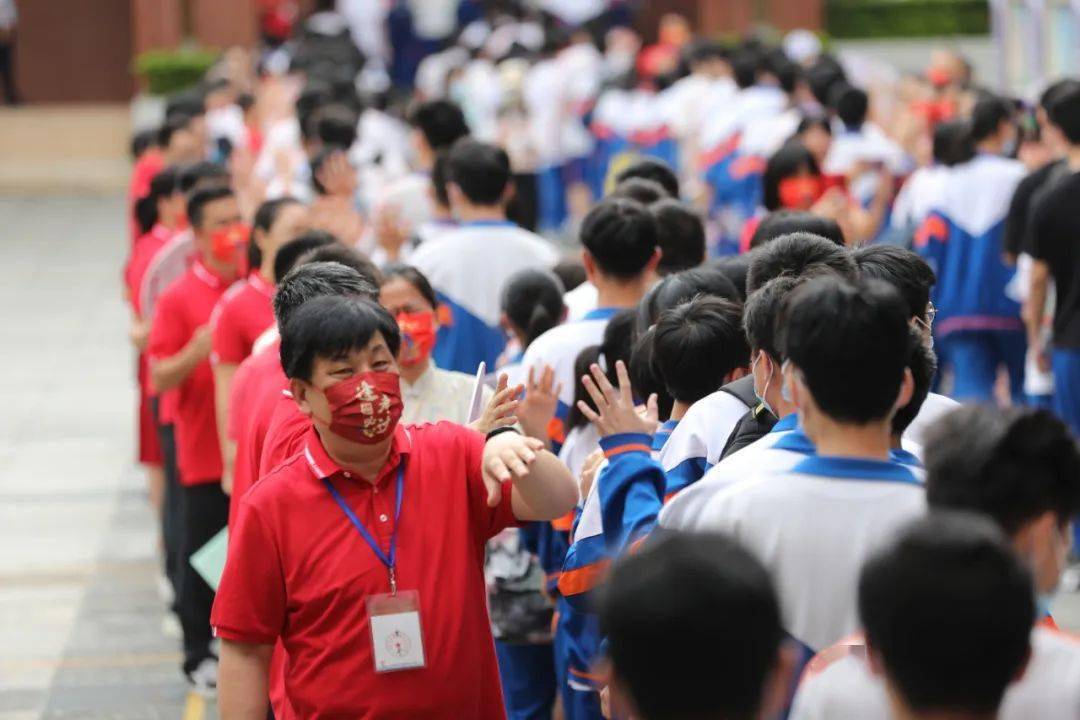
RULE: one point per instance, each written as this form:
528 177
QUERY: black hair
851 342
850 104
188 102
952 143
202 172
265 217
1012 464
905 270
439 179
744 66
1065 113
1055 90
414 277
335 125
533 301
786 72
923 365
810 120
988 114
482 171
245 101
329 326
684 286
441 122
786 162
645 375
639 189
948 560
171 126
735 268
570 271
701 588
761 311
698 344
314 279
785 221
143 140
653 169
201 197
822 76
289 253
315 93
681 238
704 50
349 257
165 184
795 254
617 345
621 236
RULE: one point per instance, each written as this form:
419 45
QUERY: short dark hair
414 277
735 268
788 161
851 341
641 189
143 140
621 236
744 66
912 276
441 122
952 576
329 326
784 222
681 236
1055 90
703 587
439 179
761 311
187 102
794 254
200 173
349 257
171 126
953 143
533 301
923 365
684 286
165 184
265 217
201 197
698 344
988 114
334 125
851 105
289 253
1065 113
1012 464
651 169
570 271
482 171
316 279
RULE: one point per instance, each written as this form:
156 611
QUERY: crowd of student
684 454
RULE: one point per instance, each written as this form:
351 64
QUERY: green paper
209 560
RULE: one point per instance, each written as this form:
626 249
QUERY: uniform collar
844 468
322 465
662 434
206 275
604 313
791 422
486 223
257 281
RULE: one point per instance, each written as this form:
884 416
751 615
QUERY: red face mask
229 245
366 407
417 337
799 193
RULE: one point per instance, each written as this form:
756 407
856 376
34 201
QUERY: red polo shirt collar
264 286
206 275
323 466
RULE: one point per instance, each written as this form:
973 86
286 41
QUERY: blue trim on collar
843 468
795 441
904 457
605 313
784 424
487 223
662 434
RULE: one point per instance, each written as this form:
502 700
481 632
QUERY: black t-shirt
1055 222
1016 222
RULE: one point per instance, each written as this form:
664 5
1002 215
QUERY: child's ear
299 390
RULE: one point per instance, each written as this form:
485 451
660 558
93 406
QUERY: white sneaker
203 678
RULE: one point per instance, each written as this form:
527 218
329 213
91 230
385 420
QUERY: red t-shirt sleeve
227 346
167 332
250 602
486 521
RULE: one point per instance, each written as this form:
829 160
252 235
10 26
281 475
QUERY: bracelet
500 431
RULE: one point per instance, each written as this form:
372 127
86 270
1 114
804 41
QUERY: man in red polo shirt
363 554
244 312
178 349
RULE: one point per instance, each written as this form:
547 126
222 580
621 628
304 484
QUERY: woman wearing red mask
431 393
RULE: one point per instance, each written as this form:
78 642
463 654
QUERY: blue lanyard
387 559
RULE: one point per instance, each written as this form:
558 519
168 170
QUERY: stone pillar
224 23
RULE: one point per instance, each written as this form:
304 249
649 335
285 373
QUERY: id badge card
396 636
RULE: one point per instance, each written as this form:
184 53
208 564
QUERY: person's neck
225 271
896 441
363 460
611 293
468 212
678 410
836 439
412 373
441 213
1072 157
781 407
991 146
266 269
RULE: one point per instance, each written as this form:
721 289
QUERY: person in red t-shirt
245 312
363 554
179 349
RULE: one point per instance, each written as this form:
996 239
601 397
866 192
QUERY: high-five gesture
615 410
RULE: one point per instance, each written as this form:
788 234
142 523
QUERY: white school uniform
703 432
581 300
933 408
560 346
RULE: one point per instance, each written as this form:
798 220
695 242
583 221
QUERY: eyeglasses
931 313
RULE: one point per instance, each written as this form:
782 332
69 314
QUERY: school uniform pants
205 513
1066 365
976 355
171 508
528 679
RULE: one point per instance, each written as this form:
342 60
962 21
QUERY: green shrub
169 71
906 18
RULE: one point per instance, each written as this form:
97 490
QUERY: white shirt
704 430
814 527
933 408
439 395
581 300
580 443
560 346
846 689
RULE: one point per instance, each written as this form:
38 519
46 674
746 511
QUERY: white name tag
396 635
